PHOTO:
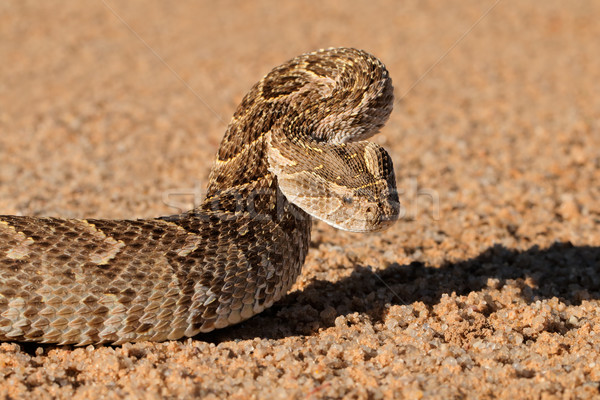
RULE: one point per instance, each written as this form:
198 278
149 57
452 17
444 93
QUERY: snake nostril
347 199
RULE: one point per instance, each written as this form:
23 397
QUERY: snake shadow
570 273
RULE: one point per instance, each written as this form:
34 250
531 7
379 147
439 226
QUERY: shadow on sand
570 273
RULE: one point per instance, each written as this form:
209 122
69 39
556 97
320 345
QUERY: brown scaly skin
104 281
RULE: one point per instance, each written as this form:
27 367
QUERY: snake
295 150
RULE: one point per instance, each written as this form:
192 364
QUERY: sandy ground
488 288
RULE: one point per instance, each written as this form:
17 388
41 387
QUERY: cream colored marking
115 245
17 303
108 300
275 156
246 147
371 162
21 250
318 150
192 241
11 313
318 167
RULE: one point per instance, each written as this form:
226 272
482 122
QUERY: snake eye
347 199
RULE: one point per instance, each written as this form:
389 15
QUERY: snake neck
241 187
240 181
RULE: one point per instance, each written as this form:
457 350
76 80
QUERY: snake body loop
295 148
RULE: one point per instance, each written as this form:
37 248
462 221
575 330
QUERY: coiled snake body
294 149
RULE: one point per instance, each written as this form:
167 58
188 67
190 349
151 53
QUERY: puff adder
294 149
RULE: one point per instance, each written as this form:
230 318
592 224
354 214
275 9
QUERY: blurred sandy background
488 288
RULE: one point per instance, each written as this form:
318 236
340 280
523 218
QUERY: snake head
323 107
350 186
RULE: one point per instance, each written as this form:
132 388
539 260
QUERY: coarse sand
489 286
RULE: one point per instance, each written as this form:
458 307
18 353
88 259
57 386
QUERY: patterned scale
294 149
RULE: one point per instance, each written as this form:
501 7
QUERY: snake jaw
368 209
349 186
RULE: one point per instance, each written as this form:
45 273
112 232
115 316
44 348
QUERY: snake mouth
370 217
386 217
